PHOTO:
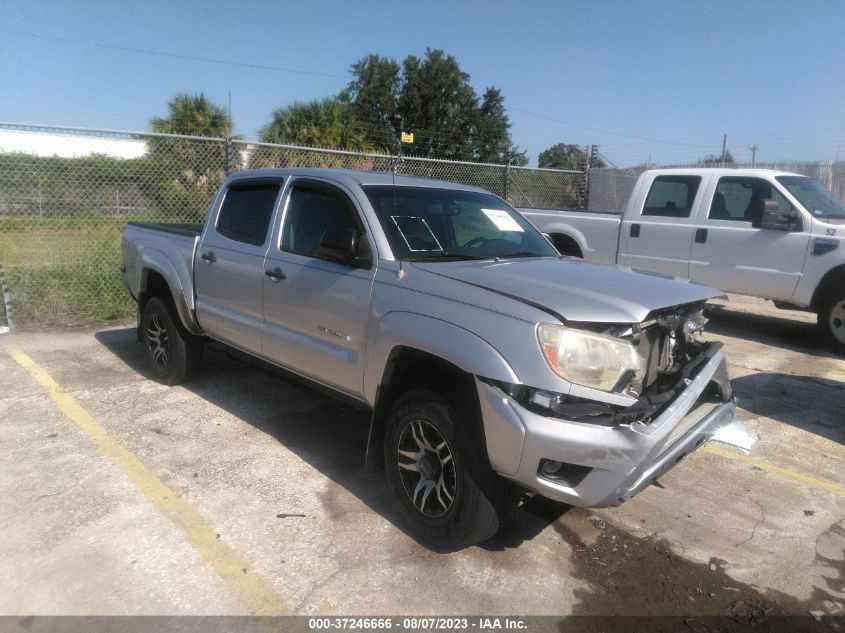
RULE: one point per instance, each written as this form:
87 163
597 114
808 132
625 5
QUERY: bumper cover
619 461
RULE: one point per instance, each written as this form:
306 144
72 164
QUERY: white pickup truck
757 232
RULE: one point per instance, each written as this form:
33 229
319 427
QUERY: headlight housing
588 359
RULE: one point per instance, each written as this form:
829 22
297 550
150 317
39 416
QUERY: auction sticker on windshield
502 220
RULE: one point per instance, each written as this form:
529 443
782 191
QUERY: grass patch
62 271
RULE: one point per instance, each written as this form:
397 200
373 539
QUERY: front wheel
448 498
831 320
173 354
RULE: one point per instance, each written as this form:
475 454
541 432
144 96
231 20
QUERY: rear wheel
448 498
831 320
173 354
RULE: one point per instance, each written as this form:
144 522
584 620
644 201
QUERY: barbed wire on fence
67 192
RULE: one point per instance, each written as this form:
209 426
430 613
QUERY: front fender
155 260
448 341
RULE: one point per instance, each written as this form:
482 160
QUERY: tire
469 501
567 246
173 354
831 320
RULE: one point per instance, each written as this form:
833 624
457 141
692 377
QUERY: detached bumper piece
591 464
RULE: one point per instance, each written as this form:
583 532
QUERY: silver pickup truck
489 362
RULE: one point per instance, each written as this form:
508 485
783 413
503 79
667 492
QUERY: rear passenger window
246 212
672 196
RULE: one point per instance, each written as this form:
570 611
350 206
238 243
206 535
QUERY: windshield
426 224
815 198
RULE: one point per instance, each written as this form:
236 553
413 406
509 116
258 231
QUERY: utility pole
754 149
724 148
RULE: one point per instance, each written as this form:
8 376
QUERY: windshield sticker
417 235
502 220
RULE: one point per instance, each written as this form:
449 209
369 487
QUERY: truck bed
190 230
597 234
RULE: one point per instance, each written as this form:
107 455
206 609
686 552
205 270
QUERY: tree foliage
432 98
325 122
714 160
193 115
566 156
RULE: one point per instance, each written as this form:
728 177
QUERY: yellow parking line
251 588
811 482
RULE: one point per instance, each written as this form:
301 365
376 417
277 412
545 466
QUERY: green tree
438 105
714 160
193 115
432 98
373 95
320 122
566 156
492 129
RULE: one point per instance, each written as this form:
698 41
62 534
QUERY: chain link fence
609 188
67 193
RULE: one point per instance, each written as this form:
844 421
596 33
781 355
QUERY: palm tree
193 115
319 122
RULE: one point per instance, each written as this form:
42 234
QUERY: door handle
210 257
275 274
700 236
635 230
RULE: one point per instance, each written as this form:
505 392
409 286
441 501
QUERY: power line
196 58
604 131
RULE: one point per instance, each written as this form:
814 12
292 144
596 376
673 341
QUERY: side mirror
768 215
342 245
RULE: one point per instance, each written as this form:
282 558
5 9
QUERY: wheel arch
407 367
833 278
158 277
567 245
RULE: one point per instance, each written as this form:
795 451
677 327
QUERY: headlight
588 359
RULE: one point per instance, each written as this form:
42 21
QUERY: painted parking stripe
252 589
801 478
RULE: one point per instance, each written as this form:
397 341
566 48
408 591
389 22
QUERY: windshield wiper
447 256
518 254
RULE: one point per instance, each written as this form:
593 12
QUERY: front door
315 308
729 253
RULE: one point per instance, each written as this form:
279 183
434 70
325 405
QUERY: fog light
560 472
549 467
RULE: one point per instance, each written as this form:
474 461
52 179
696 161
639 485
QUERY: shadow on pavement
779 332
329 434
806 402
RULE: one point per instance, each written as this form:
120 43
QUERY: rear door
657 236
316 309
730 254
228 271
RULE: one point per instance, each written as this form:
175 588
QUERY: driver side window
311 212
739 198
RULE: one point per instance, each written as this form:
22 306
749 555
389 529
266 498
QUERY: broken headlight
589 359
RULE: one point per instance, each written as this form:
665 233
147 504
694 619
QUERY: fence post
229 155
585 195
7 303
506 188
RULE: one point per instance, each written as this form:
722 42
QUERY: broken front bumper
604 465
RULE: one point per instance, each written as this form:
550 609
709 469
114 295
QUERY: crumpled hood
575 289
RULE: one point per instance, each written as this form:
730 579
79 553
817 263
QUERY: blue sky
662 80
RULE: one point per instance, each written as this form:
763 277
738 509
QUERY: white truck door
316 308
657 231
729 253
228 270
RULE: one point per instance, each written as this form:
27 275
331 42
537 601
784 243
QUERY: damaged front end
668 356
665 394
